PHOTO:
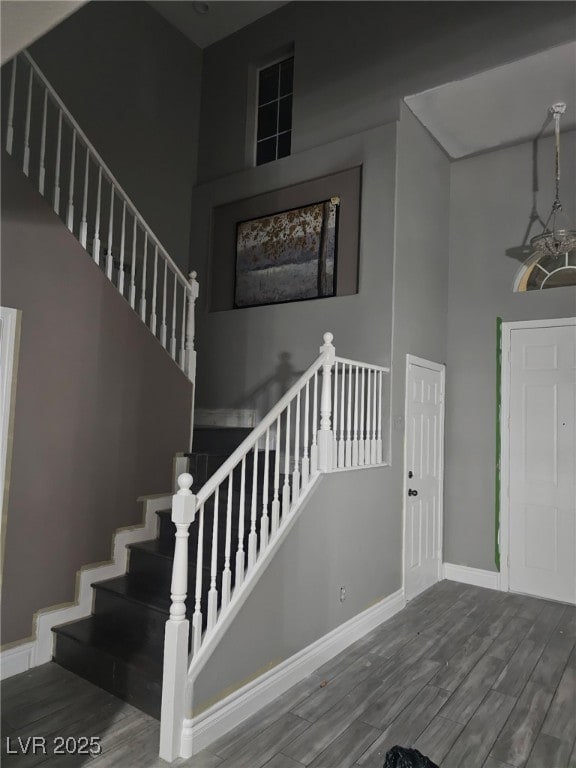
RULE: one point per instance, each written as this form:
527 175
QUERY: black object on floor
400 757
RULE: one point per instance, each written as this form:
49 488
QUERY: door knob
412 493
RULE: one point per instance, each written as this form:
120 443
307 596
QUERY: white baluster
361 445
197 616
349 420
96 241
227 573
164 297
253 536
379 437
133 264
190 371
10 126
42 170
213 592
335 417
373 448
191 328
314 446
84 222
296 473
143 285
70 216
342 442
26 163
305 459
183 332
154 292
177 627
173 336
183 514
355 437
264 520
325 436
57 165
276 499
368 418
122 249
109 259
240 550
286 486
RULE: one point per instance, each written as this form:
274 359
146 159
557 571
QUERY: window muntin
274 117
548 272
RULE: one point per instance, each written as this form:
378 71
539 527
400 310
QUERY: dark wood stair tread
120 646
93 633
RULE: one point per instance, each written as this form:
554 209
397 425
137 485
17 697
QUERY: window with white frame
547 271
274 117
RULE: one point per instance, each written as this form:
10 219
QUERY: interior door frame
440 368
504 426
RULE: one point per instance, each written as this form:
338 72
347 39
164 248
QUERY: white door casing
538 427
9 338
424 459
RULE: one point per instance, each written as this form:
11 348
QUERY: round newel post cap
193 275
185 481
328 337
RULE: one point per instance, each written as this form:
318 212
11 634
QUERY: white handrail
358 364
104 207
301 431
113 180
250 441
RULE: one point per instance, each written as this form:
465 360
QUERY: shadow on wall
266 394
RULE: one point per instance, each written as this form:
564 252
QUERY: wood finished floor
471 677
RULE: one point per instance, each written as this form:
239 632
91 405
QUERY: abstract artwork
287 256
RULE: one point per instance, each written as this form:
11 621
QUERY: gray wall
132 81
421 261
354 60
336 542
100 410
490 202
351 531
239 350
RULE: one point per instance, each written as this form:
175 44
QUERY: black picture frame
225 219
287 256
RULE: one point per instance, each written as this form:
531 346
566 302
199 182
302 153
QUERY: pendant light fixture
557 238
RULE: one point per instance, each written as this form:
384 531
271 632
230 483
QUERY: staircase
55 154
120 646
153 629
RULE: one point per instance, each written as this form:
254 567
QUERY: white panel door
423 475
543 462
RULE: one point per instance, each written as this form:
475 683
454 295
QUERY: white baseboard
201 731
39 651
475 576
15 660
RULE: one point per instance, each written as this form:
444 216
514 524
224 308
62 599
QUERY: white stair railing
59 159
242 510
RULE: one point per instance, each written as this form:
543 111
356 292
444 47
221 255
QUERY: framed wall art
287 256
298 243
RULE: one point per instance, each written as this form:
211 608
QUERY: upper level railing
329 420
57 156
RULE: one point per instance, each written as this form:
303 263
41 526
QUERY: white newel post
190 368
325 436
177 627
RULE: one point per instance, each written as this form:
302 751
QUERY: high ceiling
501 106
24 22
207 22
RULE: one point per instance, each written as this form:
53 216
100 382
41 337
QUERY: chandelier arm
557 134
